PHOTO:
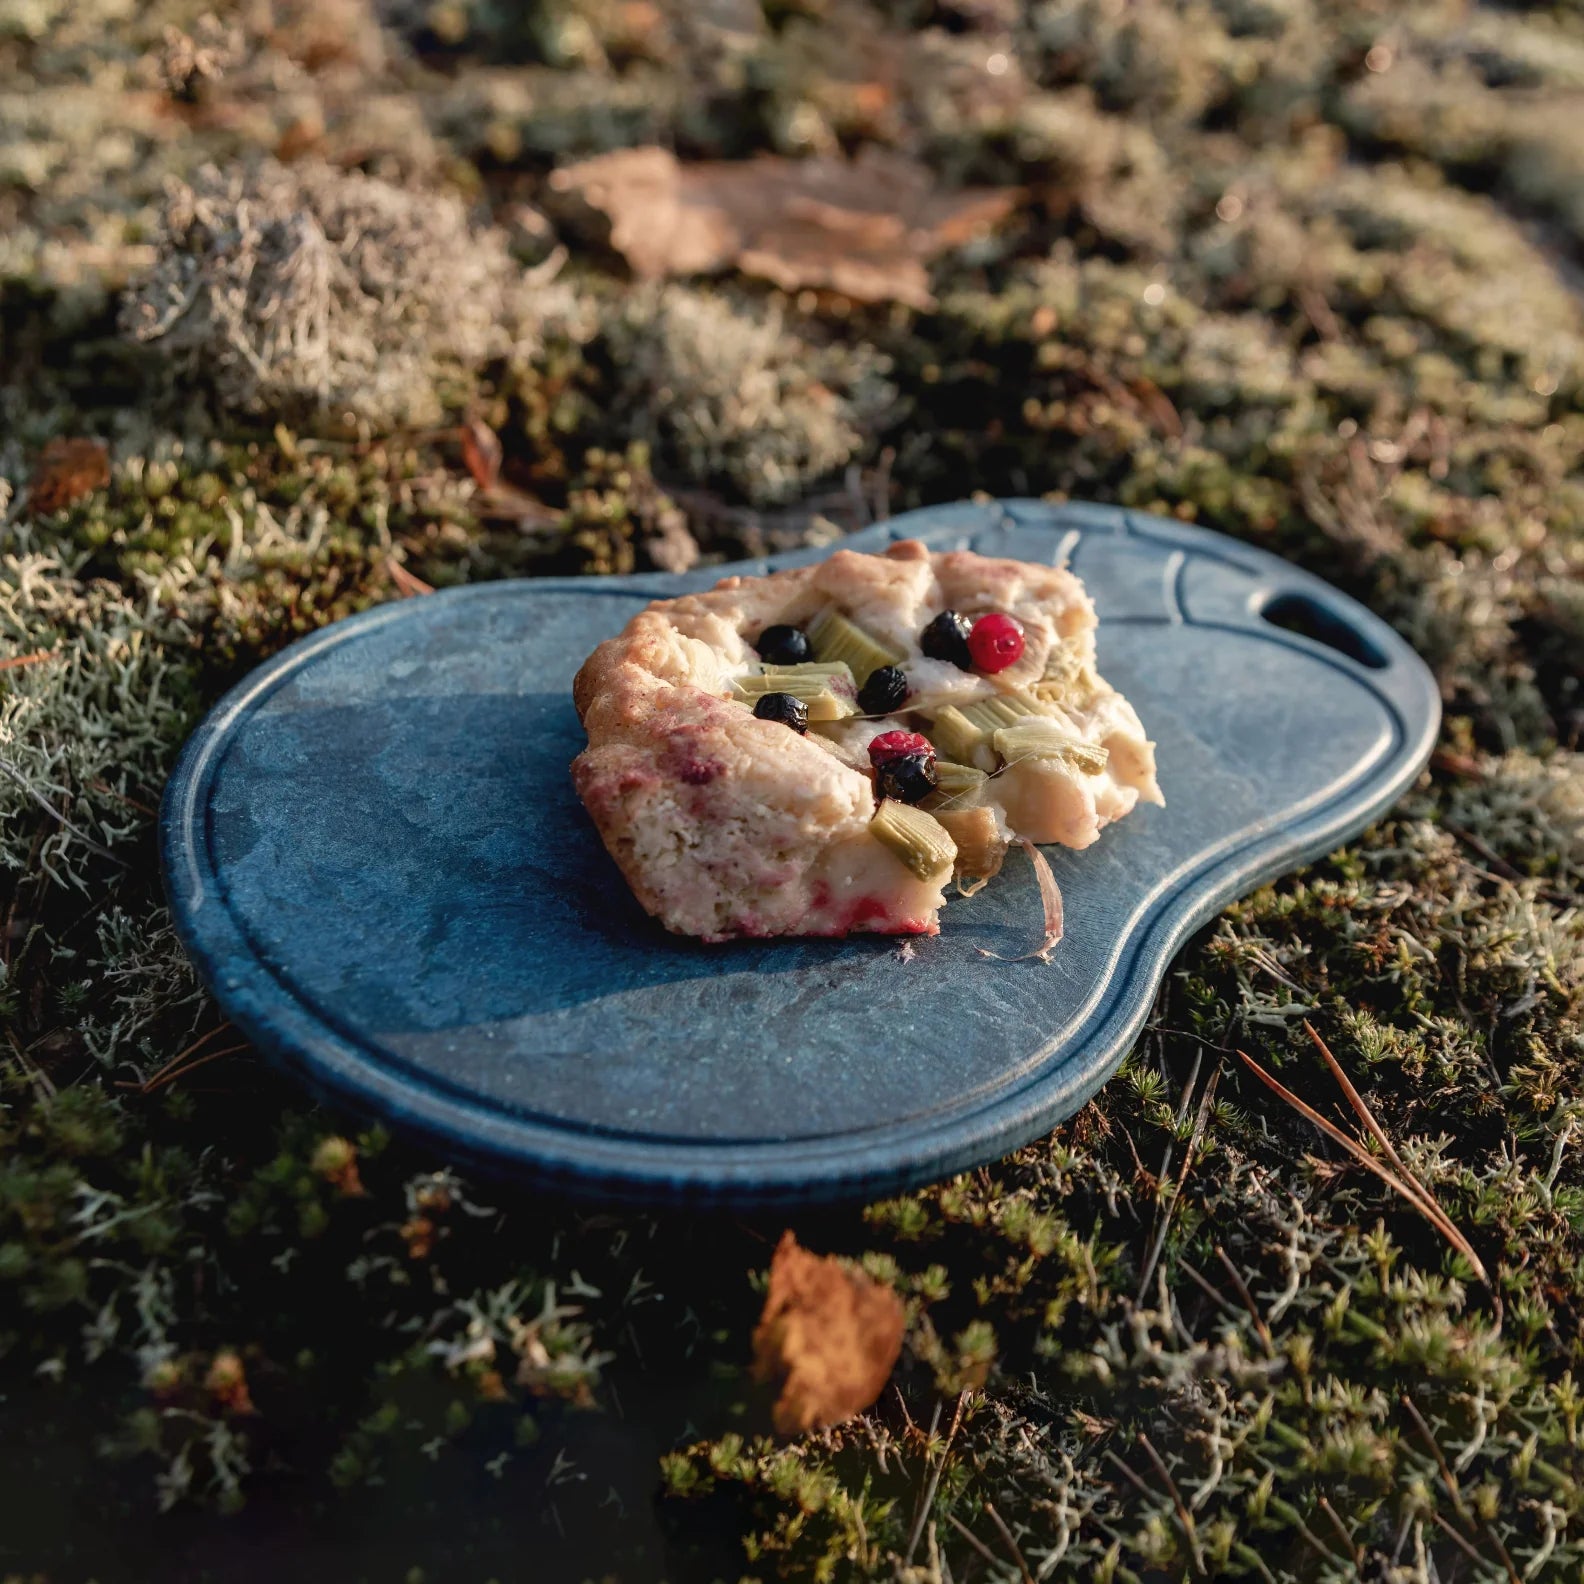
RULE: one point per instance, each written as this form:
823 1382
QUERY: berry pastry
820 751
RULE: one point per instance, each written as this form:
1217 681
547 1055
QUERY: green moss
1266 278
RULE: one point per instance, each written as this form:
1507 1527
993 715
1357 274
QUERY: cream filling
860 868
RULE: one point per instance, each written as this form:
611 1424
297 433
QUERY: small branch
1500 871
55 814
927 1496
1484 849
1463 1545
902 1404
1158 1241
176 1060
166 1076
406 584
105 790
1132 1478
1450 1481
1216 1297
1356 1100
1355 1550
41 1079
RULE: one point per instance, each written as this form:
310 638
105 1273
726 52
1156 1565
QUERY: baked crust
728 825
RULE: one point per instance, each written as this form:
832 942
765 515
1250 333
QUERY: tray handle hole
1309 618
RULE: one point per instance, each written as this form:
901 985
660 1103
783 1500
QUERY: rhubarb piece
836 637
981 848
917 838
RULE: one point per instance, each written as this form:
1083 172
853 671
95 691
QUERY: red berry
995 642
897 745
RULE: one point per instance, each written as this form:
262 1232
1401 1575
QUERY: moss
1281 269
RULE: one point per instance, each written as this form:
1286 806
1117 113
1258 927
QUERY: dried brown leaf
67 470
481 452
829 1335
864 228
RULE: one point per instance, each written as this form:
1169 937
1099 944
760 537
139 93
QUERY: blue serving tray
374 855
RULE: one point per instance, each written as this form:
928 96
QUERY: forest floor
1304 273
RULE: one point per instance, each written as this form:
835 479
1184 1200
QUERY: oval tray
374 855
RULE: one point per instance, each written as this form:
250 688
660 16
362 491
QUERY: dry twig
1184 1517
927 1495
1011 1544
1449 1479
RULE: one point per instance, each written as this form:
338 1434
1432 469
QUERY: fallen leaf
67 470
829 1335
481 452
864 228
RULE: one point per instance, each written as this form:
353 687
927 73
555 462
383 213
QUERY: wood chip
829 1335
864 228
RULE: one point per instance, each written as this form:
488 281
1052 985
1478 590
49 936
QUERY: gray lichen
730 390
305 290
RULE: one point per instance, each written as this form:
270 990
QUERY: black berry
783 707
909 778
782 645
884 691
946 638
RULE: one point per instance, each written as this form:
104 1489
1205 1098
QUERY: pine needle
1417 1195
406 583
28 659
1356 1100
